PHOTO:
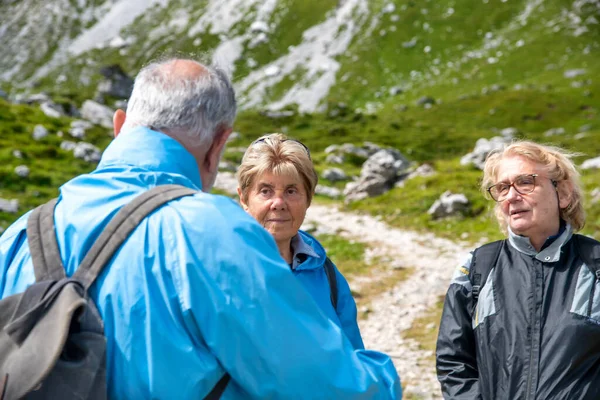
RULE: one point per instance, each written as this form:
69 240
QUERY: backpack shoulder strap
483 260
589 251
332 278
121 225
41 237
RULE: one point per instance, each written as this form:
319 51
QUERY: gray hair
192 108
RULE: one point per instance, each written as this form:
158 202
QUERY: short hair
281 156
191 107
559 167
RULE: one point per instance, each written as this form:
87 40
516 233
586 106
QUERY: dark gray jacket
533 333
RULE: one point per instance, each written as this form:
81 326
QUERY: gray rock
334 175
509 133
586 128
574 73
97 113
422 170
87 152
592 163
423 101
335 159
332 148
39 132
554 132
17 154
9 206
233 136
482 148
328 191
52 109
410 44
227 166
121 104
378 175
68 145
395 90
22 171
116 83
449 204
278 114
348 148
78 128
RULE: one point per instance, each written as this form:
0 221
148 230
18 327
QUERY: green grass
347 255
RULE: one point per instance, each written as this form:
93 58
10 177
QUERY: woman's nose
278 203
512 194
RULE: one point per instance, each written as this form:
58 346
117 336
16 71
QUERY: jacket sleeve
456 360
347 312
243 302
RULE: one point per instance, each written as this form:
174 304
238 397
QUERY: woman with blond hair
521 318
276 184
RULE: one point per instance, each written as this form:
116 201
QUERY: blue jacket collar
308 252
152 150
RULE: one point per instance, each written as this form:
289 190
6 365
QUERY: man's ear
118 121
213 156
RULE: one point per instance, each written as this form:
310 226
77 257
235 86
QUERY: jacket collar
303 250
548 254
152 150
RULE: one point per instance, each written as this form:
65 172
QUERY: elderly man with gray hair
196 303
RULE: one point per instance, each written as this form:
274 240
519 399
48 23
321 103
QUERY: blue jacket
311 271
197 289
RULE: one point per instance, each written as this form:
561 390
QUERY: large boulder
334 175
483 147
97 113
116 83
378 175
449 204
87 152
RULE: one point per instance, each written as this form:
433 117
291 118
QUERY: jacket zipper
592 293
530 374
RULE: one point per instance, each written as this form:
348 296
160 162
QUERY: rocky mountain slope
366 53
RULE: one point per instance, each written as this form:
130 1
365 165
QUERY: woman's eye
264 191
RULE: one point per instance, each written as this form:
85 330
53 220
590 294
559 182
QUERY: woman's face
536 214
278 203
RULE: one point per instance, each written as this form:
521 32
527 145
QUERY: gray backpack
52 343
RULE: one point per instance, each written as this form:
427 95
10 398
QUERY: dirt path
394 311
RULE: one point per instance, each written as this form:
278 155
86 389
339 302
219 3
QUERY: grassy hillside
489 64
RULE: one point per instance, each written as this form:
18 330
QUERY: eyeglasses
523 184
264 139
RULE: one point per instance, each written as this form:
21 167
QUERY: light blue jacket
198 289
308 267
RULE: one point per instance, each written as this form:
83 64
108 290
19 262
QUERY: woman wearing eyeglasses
521 318
276 183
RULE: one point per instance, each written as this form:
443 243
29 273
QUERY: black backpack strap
121 225
483 260
589 251
219 388
332 278
41 237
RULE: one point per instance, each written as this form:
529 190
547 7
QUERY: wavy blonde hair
281 156
559 167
